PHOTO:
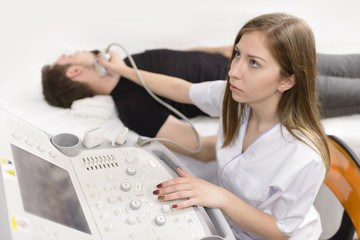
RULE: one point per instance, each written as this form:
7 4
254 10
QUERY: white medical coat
277 174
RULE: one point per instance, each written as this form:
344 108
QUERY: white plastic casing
101 70
93 138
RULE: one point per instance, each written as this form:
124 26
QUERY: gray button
135 204
130 171
16 136
160 220
112 198
165 209
130 160
29 142
131 220
52 154
41 148
125 186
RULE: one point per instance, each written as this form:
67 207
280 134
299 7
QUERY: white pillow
99 106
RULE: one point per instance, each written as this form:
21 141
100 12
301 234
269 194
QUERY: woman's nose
235 70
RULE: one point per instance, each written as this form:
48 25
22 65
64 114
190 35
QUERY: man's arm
226 51
183 134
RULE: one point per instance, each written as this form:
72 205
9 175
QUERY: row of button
150 162
95 164
31 143
99 162
147 235
125 187
99 159
159 220
134 205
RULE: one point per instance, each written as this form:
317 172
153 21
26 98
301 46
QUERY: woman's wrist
129 73
125 71
225 200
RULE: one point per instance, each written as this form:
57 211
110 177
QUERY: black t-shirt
144 115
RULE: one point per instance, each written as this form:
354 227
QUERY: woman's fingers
173 181
182 179
172 188
182 173
184 204
175 196
191 190
186 195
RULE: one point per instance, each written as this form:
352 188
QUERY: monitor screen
47 191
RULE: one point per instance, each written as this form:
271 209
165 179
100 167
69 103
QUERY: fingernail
174 206
161 197
156 192
159 185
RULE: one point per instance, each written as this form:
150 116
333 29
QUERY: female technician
271 148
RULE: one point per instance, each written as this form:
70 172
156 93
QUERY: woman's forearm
173 88
249 218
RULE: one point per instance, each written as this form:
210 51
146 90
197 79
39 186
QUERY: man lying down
73 77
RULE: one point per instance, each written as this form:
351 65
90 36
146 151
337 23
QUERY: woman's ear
74 71
287 83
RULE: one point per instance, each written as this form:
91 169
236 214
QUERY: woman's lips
234 89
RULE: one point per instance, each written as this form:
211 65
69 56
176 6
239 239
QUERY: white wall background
36 32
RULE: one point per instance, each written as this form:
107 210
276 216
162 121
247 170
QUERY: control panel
49 191
118 185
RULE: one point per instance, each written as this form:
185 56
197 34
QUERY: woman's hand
196 191
173 88
116 64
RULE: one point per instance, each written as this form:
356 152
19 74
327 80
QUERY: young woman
271 149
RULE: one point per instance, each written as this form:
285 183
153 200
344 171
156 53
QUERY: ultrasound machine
52 187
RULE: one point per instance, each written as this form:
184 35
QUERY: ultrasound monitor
47 191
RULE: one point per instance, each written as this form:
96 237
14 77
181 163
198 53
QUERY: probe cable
146 139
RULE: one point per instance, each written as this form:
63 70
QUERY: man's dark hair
61 91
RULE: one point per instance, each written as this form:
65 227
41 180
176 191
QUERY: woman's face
254 73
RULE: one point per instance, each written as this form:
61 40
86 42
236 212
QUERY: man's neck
104 85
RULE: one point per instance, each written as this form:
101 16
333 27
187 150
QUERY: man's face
84 58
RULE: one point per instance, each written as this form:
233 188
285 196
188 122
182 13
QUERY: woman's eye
237 54
254 63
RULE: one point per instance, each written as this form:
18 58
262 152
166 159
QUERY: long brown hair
291 42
